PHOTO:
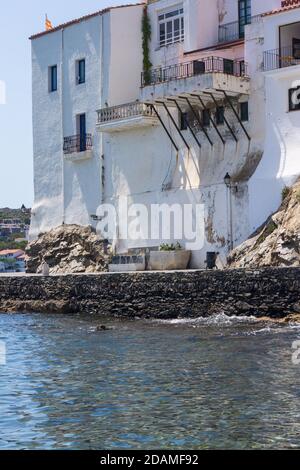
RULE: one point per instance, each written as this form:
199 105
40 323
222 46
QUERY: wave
220 319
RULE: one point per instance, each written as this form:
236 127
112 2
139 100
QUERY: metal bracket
174 122
164 126
235 113
210 117
198 119
186 121
225 119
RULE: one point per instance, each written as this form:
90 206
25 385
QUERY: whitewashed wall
65 191
280 164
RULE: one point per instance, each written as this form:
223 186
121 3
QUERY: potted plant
169 258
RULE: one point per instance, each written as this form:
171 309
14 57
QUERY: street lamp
227 181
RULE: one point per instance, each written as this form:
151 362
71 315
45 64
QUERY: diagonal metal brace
186 121
174 123
235 113
210 117
164 126
225 119
198 119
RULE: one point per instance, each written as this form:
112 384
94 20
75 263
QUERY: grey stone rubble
273 292
68 248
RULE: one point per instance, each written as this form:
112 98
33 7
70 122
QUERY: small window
183 121
206 117
53 78
220 115
244 108
294 99
80 71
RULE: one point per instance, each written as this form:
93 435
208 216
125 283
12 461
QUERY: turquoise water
201 384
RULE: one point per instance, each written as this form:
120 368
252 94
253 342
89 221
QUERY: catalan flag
48 24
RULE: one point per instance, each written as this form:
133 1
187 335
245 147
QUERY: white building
215 102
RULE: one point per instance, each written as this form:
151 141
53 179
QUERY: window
206 117
53 78
81 131
244 108
183 121
171 27
244 16
80 71
294 99
296 48
220 115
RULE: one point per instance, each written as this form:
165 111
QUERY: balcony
125 117
189 77
78 147
281 58
235 30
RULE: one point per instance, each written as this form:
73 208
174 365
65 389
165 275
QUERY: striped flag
48 24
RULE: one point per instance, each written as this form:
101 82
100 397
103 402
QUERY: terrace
126 116
235 30
288 52
78 147
208 73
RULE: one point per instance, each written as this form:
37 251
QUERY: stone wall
273 292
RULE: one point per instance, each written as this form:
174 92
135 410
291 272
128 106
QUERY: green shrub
285 193
171 247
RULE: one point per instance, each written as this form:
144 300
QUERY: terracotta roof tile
282 9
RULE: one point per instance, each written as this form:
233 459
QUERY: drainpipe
62 123
100 134
228 184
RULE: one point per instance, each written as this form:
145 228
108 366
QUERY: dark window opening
244 16
183 121
244 111
81 71
294 99
53 78
206 117
220 115
81 126
296 48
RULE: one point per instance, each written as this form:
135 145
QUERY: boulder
277 242
68 249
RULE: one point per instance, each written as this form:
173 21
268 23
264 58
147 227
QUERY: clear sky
18 20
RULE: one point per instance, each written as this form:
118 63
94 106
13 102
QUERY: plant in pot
170 257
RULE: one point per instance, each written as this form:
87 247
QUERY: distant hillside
22 215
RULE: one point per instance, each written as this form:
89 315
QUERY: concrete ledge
273 292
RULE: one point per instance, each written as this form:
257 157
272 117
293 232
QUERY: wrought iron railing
77 143
237 68
280 58
235 30
124 111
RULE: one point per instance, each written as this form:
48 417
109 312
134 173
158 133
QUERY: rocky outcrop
277 242
68 249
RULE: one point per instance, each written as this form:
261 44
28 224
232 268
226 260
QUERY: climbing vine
146 32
